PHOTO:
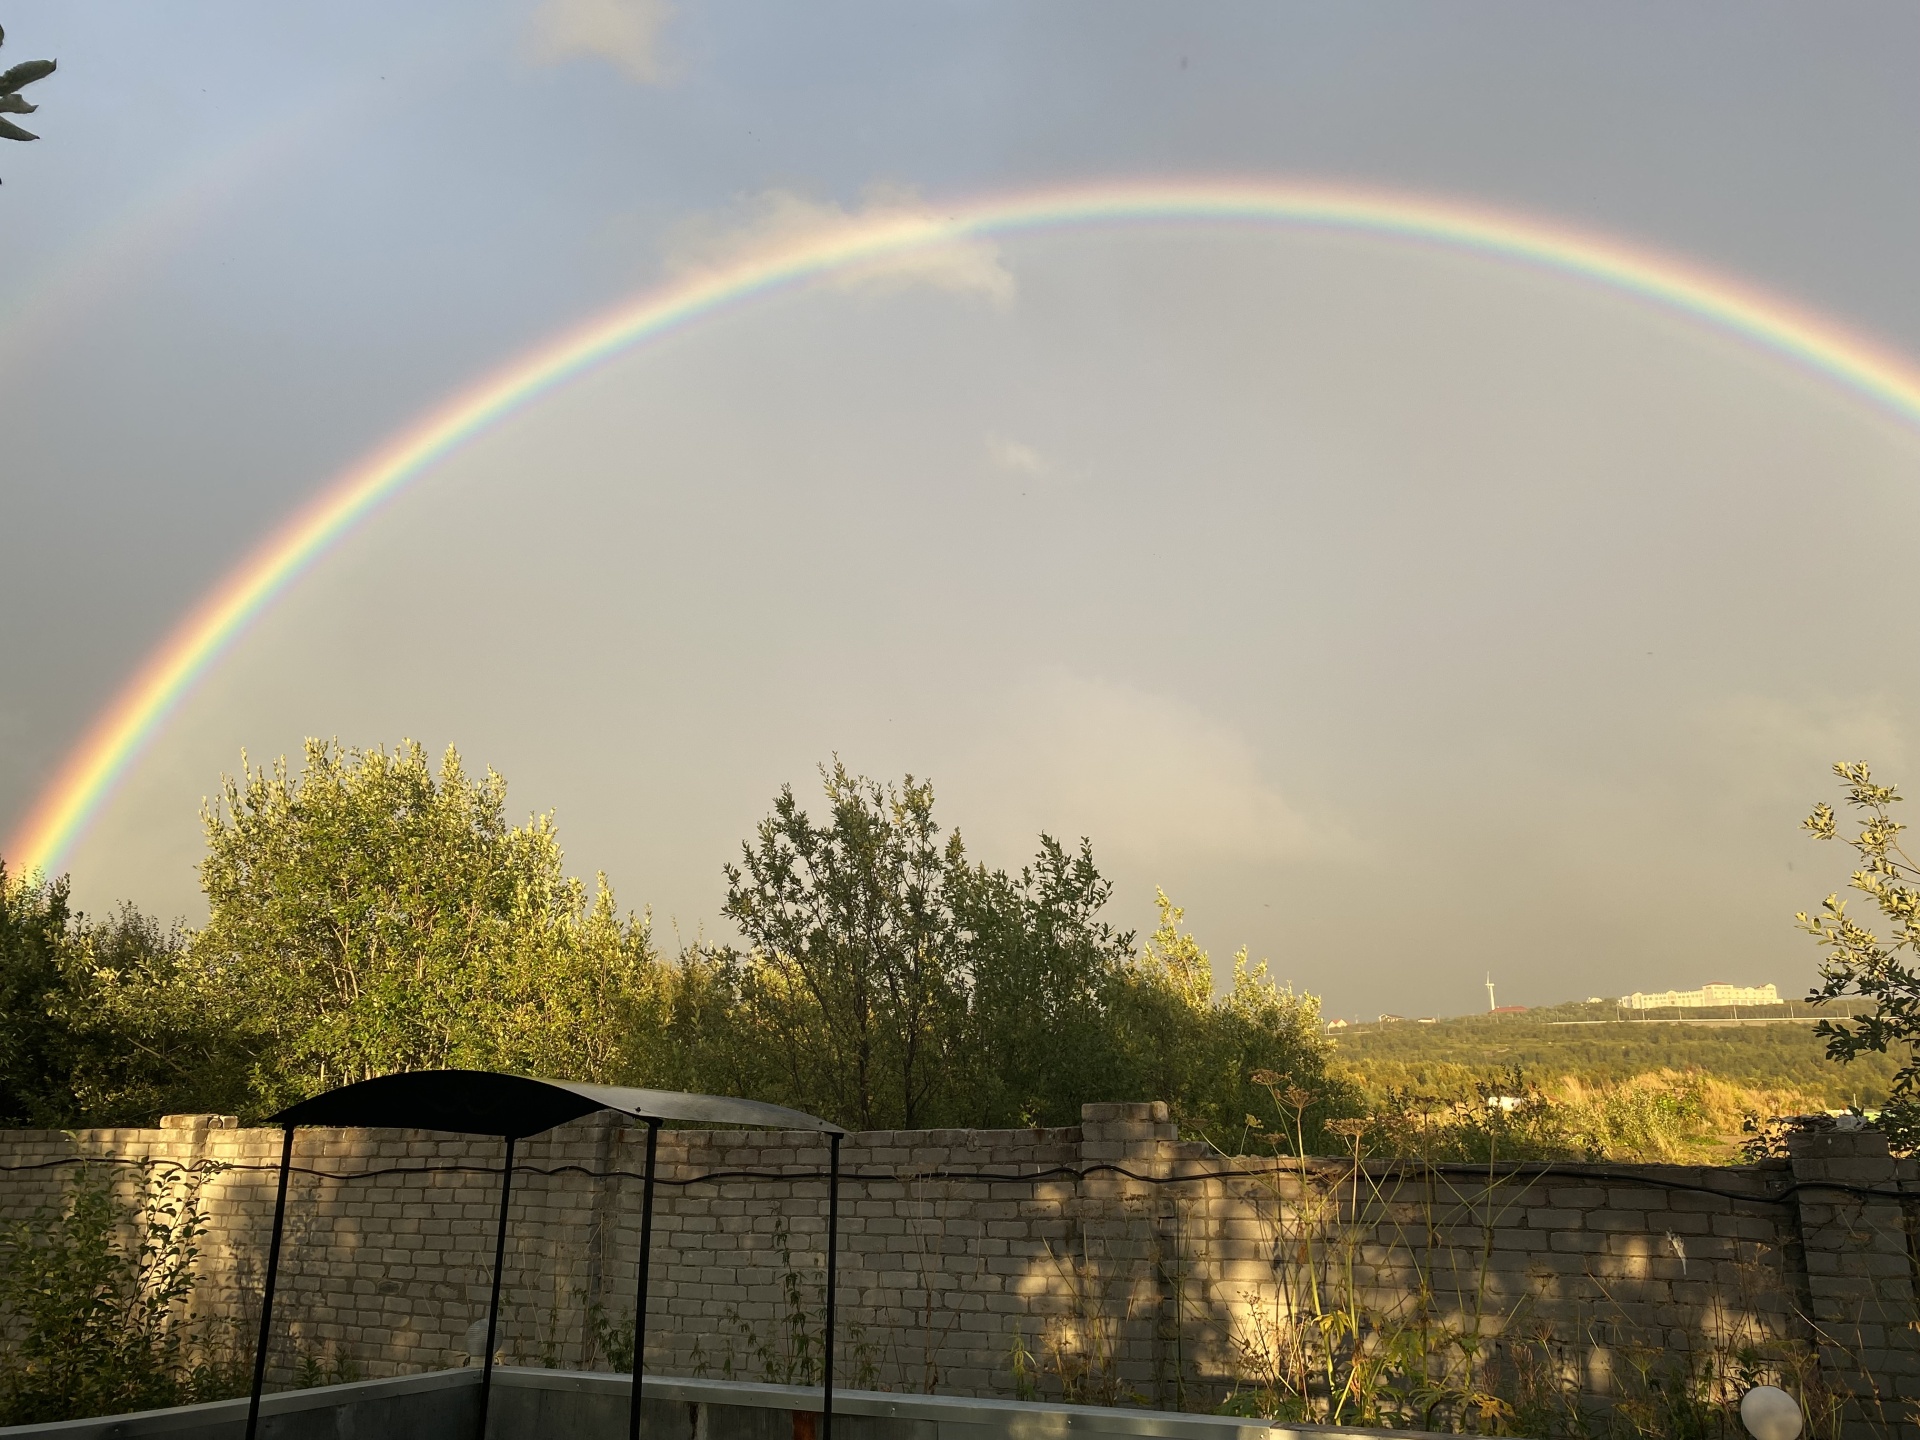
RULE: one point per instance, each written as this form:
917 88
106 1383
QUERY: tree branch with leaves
12 81
1858 961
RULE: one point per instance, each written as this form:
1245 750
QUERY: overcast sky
1405 615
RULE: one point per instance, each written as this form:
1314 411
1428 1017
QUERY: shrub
96 1296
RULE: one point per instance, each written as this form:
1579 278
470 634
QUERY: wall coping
192 1419
1018 1419
1022 1418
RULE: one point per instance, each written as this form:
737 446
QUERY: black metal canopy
483 1102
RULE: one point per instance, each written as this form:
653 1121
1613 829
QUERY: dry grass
1657 1116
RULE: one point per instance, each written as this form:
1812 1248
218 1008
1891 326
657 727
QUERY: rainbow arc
141 709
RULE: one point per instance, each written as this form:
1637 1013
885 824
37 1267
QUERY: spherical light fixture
1770 1413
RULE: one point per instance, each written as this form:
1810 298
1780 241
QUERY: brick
1544 1217
1618 1220
1746 1227
1624 1198
1583 1197
1839 1287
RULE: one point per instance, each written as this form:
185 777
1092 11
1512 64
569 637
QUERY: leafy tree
889 982
372 915
1179 1041
713 1040
1858 962
1040 968
104 1022
852 977
147 1035
34 1055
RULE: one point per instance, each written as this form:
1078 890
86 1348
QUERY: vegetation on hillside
1660 1116
1786 1060
1590 1085
1788 1055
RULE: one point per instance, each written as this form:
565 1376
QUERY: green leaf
25 73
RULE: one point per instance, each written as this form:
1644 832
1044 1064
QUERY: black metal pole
493 1305
266 1299
640 1296
833 1248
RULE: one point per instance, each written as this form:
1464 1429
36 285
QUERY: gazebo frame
513 1107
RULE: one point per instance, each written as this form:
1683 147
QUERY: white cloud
1018 459
1151 778
778 219
626 33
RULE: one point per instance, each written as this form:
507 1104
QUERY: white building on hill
1699 999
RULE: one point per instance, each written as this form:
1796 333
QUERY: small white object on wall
1770 1413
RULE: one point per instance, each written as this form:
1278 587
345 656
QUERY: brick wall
1109 1257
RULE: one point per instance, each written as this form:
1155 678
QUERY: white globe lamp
1770 1413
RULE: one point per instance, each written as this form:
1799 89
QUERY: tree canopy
102 1022
904 985
853 969
374 912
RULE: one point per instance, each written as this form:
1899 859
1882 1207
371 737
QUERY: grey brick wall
1157 1271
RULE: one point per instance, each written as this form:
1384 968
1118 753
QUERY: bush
96 1296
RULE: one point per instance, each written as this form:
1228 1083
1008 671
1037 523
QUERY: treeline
376 912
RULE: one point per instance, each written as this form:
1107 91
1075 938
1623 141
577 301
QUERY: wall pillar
1122 1240
1861 1276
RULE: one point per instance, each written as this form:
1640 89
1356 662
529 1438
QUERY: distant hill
1770 1049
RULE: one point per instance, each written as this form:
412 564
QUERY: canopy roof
483 1102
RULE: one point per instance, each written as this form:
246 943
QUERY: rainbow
120 733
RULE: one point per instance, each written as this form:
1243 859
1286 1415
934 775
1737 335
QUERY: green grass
1451 1054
